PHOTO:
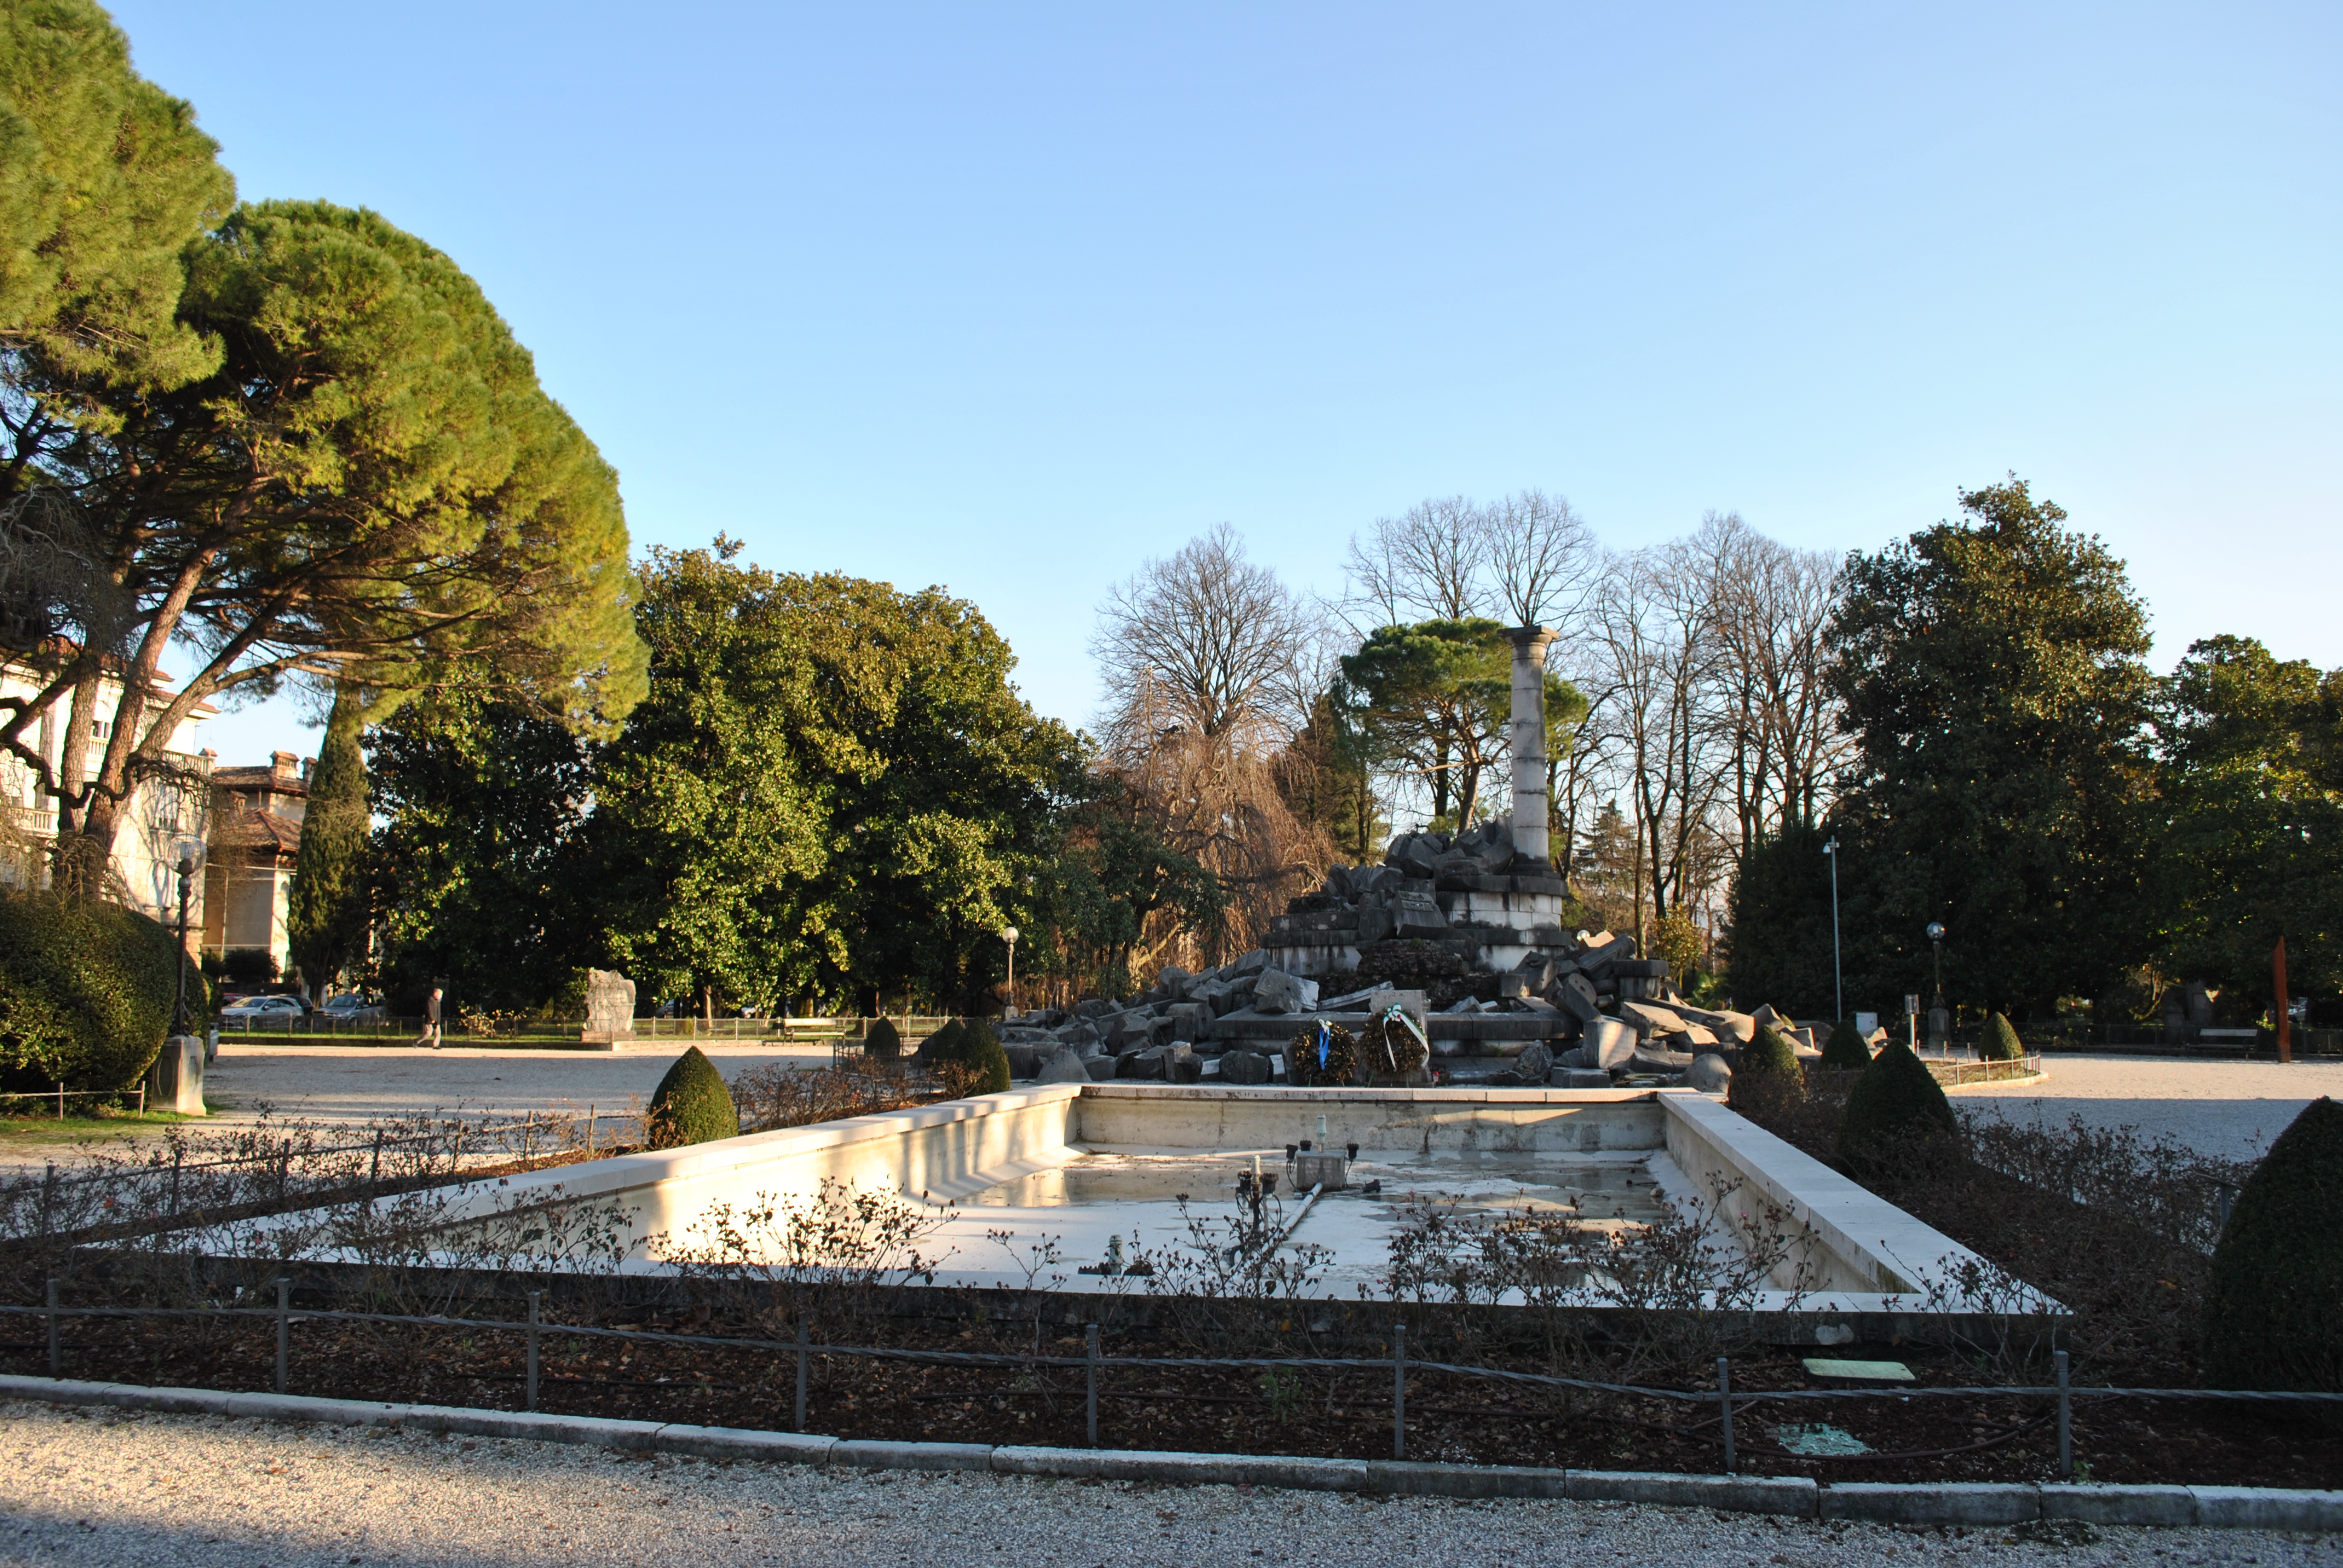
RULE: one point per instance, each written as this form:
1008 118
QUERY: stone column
1526 737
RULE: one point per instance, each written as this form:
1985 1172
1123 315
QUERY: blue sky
1010 298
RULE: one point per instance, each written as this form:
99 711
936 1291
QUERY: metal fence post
1090 1338
805 1354
284 1325
57 1357
2065 1429
1399 1391
535 1298
1725 1400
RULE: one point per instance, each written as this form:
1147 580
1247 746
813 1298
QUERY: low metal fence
532 1330
60 1094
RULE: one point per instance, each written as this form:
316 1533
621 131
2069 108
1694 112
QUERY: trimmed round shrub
691 1104
882 1041
1842 1047
85 992
2270 1303
1897 1101
1999 1042
1768 1073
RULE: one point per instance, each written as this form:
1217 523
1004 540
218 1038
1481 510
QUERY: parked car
262 1010
350 1007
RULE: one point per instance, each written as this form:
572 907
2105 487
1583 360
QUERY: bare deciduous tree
1541 557
1430 562
1205 658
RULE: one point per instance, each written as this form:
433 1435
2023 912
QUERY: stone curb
1798 1497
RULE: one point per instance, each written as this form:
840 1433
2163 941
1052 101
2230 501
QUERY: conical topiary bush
1843 1050
2274 1302
1999 1042
691 1105
1768 1076
882 1041
941 1046
1896 1104
981 1055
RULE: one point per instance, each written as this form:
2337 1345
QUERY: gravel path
2231 1108
103 1487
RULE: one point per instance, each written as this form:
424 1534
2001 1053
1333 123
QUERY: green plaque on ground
1858 1372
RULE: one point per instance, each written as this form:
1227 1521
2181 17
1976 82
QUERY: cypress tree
327 912
2271 1317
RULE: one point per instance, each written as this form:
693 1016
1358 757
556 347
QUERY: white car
263 1010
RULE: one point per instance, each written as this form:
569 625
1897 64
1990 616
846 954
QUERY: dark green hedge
2274 1302
883 1042
691 1104
86 992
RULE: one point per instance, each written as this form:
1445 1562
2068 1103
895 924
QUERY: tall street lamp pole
1940 1025
1838 975
1008 935
179 1020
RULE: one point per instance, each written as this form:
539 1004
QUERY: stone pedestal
176 1082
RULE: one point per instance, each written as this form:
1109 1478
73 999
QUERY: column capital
1530 637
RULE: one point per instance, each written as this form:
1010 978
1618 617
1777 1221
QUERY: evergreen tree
1779 950
832 788
2251 845
1992 676
371 480
327 912
478 872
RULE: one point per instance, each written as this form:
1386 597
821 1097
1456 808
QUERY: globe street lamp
1008 935
1940 1023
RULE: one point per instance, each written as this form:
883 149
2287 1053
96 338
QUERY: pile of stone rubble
1458 935
1455 941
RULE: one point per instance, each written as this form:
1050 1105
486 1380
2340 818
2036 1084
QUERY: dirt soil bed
1312 1412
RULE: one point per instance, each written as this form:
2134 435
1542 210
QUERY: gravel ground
2230 1109
342 1083
103 1487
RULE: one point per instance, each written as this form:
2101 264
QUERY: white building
166 817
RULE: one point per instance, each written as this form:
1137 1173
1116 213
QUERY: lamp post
1008 935
186 870
1940 1023
1838 974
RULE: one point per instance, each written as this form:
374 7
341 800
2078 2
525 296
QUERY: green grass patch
16 1128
